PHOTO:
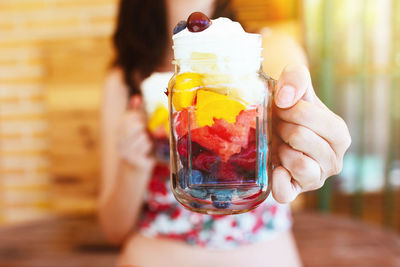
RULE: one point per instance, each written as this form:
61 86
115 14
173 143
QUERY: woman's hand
134 145
309 140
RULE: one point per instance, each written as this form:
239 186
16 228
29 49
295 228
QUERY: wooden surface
323 241
372 207
332 241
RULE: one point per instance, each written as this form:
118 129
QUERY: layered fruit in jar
218 137
218 100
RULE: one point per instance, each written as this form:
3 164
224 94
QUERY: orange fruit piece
211 105
159 118
185 89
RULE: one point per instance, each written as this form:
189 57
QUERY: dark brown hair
141 37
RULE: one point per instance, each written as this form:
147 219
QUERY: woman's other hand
134 145
126 164
309 140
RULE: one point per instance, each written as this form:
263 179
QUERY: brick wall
53 55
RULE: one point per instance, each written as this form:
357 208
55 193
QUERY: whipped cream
153 91
233 51
236 51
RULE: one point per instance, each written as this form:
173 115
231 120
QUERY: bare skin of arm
126 164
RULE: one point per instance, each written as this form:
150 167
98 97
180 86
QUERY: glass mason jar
219 135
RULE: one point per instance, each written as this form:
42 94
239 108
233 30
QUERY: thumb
294 84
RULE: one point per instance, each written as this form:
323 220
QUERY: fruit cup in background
156 106
219 101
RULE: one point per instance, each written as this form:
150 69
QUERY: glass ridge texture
219 143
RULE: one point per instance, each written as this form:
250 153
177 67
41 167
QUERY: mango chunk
212 105
159 118
185 89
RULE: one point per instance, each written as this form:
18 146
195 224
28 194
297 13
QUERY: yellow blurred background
54 55
53 58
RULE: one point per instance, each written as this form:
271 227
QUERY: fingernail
285 96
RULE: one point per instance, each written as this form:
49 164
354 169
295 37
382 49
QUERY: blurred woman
310 144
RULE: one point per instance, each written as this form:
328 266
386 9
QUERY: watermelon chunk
205 137
233 133
181 121
248 117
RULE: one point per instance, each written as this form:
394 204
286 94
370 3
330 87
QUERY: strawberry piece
183 149
222 138
227 173
246 159
182 146
205 161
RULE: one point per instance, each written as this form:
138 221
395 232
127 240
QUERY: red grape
198 22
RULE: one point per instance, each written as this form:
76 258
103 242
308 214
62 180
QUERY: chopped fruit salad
216 139
222 127
217 113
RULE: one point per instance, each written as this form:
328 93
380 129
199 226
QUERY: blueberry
196 177
180 26
182 178
199 193
221 204
221 198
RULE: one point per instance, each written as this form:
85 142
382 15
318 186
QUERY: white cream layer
237 51
153 91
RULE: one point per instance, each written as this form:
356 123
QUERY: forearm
119 210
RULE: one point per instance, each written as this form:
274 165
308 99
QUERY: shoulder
280 48
115 91
115 79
